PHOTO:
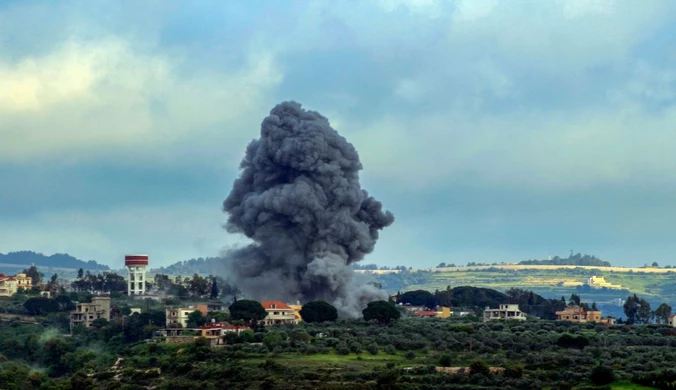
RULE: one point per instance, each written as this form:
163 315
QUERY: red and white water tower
136 265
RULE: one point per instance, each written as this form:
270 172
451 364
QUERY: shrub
602 375
410 355
479 367
445 360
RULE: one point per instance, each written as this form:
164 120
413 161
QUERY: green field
654 287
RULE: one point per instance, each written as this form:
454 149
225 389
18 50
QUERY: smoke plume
298 198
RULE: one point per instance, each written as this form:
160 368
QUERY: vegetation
381 311
410 353
318 311
577 259
247 310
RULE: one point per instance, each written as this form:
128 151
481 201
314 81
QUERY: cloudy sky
494 131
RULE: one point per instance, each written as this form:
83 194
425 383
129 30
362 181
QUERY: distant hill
203 266
24 259
577 259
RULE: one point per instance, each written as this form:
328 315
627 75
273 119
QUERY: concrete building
600 282
9 285
278 313
575 313
86 313
136 267
504 312
214 332
179 316
296 311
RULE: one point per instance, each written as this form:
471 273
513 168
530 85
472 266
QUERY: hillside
202 266
13 261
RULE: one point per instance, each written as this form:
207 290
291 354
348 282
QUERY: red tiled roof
219 325
427 313
278 305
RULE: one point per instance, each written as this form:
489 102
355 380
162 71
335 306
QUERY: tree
214 289
644 314
382 311
593 307
80 272
196 319
655 264
247 310
272 339
34 274
662 313
479 367
630 307
602 375
417 298
41 306
318 311
574 299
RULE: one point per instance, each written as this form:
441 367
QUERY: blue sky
493 130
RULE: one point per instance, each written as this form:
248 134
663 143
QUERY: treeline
193 287
477 299
577 259
375 267
204 266
58 260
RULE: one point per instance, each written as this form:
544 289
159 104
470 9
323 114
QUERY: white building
504 312
278 313
136 281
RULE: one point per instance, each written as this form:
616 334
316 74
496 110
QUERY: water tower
136 265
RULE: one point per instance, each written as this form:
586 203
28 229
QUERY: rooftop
277 305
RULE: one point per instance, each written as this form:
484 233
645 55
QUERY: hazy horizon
494 131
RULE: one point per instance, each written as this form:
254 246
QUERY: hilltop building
9 285
278 313
575 313
504 312
86 313
178 317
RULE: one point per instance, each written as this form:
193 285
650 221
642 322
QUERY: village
178 327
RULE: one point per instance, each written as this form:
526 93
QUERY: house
217 306
134 310
9 285
215 331
278 313
86 313
178 317
575 313
609 320
672 320
504 312
296 311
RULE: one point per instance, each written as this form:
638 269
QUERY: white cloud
93 98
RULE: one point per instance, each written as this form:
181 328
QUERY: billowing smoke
298 198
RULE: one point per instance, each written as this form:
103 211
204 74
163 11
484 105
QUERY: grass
629 386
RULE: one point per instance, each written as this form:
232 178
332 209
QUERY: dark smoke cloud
298 198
